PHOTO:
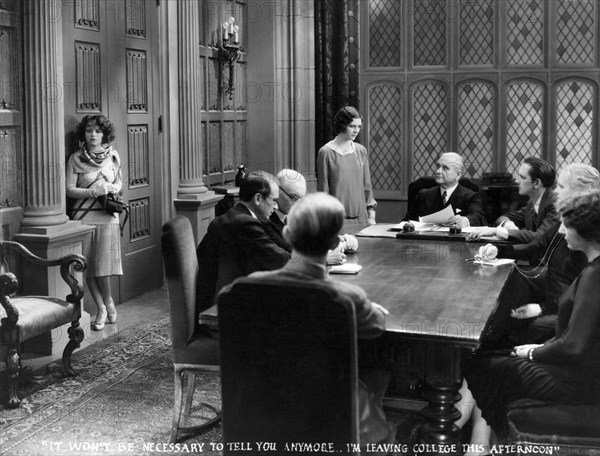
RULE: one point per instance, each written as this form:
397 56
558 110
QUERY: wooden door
111 67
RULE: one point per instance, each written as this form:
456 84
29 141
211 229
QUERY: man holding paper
449 194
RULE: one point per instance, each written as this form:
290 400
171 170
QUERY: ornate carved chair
288 365
24 317
194 351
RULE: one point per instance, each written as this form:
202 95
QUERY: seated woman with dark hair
566 368
313 226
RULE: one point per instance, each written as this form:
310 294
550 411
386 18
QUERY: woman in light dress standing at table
343 171
95 171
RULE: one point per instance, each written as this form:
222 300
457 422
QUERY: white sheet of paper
439 216
495 262
348 268
379 230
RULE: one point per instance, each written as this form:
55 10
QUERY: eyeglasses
293 198
275 200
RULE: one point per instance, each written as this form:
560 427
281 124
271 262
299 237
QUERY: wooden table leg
443 378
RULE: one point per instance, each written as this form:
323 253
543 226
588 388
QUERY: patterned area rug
121 403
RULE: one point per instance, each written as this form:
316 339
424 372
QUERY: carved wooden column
190 99
294 104
44 130
46 230
194 201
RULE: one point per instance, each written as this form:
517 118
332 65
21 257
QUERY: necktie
444 198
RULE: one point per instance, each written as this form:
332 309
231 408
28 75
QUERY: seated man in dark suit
236 243
536 179
528 304
313 229
292 187
465 203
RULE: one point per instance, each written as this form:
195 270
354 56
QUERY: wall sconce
229 53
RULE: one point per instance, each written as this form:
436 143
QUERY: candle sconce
229 54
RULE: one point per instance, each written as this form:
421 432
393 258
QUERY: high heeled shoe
97 325
99 322
112 316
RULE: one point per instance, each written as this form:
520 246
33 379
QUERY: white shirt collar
536 205
281 215
252 213
448 191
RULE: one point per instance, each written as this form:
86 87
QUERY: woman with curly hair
93 172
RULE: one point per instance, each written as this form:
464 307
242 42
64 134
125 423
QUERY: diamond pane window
429 127
430 32
525 32
385 137
477 32
575 41
385 33
574 122
524 122
476 127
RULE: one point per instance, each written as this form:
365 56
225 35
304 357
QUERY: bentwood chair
288 365
24 317
194 351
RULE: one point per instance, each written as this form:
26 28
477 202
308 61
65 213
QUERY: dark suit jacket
564 265
274 228
532 225
235 245
429 201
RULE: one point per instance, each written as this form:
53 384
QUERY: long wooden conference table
439 305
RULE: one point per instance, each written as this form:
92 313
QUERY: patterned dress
82 175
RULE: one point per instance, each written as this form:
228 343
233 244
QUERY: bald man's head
293 187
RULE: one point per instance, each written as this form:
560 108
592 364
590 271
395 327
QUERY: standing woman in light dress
95 171
343 171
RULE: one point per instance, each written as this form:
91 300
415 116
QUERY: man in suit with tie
465 202
527 307
536 179
236 243
292 187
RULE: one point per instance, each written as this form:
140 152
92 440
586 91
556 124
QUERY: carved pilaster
44 114
190 99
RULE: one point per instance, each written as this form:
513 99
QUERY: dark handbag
112 203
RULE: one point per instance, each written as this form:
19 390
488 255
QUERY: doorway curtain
332 61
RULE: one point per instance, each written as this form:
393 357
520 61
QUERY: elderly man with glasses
236 243
292 187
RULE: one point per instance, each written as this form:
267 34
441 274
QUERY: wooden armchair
24 317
